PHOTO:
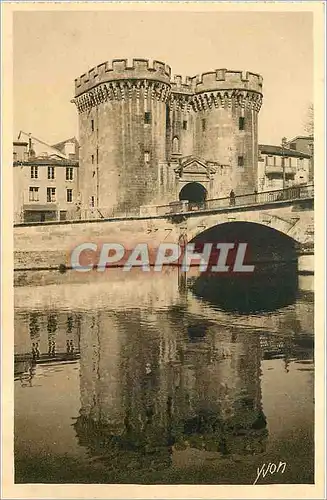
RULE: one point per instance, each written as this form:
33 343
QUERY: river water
145 377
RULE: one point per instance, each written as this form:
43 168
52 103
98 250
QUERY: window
293 145
51 172
240 161
147 117
167 117
92 125
278 161
241 122
51 195
34 172
270 160
146 156
92 159
92 201
203 124
15 156
185 125
34 194
69 195
69 173
175 145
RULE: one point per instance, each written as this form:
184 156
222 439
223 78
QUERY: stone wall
49 245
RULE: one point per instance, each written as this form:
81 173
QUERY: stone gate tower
148 139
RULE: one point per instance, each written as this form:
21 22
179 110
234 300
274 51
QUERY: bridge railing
291 193
94 213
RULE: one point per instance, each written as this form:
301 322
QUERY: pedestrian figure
232 198
68 347
255 196
34 352
53 349
71 347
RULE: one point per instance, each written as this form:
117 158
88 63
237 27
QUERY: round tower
122 124
226 105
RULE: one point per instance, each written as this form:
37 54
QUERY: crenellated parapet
120 80
223 79
179 85
120 70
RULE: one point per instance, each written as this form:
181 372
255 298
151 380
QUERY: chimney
31 152
69 149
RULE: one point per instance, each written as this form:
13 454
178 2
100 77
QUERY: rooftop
58 162
279 151
307 137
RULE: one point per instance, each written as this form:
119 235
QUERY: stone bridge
282 223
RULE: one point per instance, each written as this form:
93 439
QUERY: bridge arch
264 243
299 229
193 192
273 282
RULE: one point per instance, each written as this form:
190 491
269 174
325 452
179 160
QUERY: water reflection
161 378
145 390
269 288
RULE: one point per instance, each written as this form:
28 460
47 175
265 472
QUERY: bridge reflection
269 288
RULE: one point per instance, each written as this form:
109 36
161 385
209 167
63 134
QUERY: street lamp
283 161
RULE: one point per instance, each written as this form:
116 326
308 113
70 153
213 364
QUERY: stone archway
193 192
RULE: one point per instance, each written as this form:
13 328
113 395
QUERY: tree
309 120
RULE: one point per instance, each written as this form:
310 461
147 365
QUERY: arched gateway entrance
193 192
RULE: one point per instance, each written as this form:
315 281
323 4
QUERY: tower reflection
153 383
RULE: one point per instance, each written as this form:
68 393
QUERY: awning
50 207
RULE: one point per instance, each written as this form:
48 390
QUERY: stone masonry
147 138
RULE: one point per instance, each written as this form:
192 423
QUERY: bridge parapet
248 200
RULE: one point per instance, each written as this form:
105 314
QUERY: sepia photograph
162 162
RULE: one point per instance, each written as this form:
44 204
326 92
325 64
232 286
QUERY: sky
51 49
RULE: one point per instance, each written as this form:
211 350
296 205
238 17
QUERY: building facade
304 144
148 138
281 167
45 182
